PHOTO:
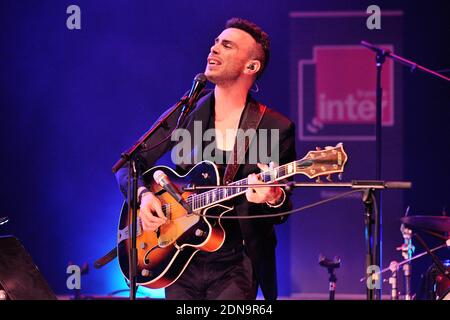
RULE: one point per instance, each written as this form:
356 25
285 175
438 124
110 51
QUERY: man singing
246 259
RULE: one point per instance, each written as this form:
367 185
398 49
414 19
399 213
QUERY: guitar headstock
323 162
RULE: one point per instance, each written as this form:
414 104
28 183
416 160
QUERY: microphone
163 180
197 86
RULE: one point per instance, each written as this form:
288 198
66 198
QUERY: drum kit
436 281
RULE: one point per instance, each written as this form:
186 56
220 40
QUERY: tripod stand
331 265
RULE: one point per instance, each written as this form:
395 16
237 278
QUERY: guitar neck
315 164
214 196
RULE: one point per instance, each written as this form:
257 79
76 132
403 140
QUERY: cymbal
433 223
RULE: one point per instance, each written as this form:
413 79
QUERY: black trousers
216 276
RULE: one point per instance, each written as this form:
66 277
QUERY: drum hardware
435 286
407 250
432 223
439 264
438 274
393 267
442 284
397 266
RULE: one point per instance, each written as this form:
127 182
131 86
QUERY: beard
222 74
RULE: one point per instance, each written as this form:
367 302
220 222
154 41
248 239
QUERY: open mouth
214 62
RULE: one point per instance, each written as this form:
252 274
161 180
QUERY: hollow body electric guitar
162 255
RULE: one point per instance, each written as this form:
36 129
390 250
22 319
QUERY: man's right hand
151 212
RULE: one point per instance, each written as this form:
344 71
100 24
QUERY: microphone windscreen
200 77
158 175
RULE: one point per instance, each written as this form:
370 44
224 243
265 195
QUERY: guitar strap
107 258
251 118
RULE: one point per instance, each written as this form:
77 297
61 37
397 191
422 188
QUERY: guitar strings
266 177
201 198
278 172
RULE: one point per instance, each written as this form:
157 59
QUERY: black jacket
258 234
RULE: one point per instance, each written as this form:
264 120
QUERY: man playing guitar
246 259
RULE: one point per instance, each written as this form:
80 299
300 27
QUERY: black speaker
20 279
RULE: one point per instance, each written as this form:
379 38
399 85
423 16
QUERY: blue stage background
73 100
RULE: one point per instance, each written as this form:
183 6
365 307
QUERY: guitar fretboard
210 197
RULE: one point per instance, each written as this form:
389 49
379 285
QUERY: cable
158 144
262 216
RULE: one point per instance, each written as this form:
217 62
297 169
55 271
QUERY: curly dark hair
258 34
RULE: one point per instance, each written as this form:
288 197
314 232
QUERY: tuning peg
318 180
340 176
329 147
329 178
318 148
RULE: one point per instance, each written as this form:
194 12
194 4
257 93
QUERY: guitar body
164 254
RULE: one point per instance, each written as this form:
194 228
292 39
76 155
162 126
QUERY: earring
255 85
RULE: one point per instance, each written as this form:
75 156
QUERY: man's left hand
271 195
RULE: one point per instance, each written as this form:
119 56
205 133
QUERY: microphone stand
354 184
380 58
368 197
411 64
130 156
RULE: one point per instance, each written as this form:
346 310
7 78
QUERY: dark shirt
233 236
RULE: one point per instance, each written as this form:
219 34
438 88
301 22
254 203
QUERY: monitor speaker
20 279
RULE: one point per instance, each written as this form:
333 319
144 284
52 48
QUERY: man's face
228 57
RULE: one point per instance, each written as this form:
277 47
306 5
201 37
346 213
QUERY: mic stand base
368 199
132 198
